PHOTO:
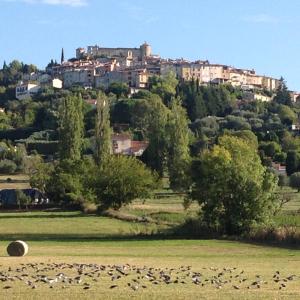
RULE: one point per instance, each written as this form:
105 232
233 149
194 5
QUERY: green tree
246 135
7 166
233 188
164 86
71 127
292 162
270 148
289 142
122 111
295 181
282 94
40 174
102 130
69 182
287 115
121 180
237 123
283 180
119 89
153 120
178 152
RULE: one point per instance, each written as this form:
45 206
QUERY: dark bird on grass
113 286
115 277
7 287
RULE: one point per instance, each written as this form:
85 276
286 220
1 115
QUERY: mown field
77 256
19 181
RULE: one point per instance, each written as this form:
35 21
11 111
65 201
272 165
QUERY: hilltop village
99 67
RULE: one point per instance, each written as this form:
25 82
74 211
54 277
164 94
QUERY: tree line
213 146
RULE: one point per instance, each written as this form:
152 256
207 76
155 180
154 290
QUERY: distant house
123 144
295 127
56 83
295 96
279 169
251 96
92 102
26 90
8 197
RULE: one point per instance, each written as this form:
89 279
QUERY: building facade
26 90
96 51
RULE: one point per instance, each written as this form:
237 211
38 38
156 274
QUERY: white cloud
66 2
262 18
73 3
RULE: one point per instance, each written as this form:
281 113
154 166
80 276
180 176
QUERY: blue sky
259 34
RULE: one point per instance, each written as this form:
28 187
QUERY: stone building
132 53
83 77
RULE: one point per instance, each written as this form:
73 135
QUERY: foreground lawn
207 257
59 241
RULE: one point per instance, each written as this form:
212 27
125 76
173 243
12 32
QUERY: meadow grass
72 237
18 181
290 214
14 176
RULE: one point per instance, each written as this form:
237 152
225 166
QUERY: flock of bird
89 276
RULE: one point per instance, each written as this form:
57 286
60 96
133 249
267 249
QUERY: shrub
22 199
43 147
295 181
7 166
283 180
17 134
89 208
283 235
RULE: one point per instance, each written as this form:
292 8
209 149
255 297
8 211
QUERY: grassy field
70 237
290 214
96 248
19 181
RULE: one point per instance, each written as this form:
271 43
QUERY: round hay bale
17 248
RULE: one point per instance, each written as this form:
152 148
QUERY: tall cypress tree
71 127
156 119
102 129
62 58
4 66
179 152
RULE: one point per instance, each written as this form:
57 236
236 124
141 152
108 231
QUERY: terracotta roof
91 101
137 146
121 136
